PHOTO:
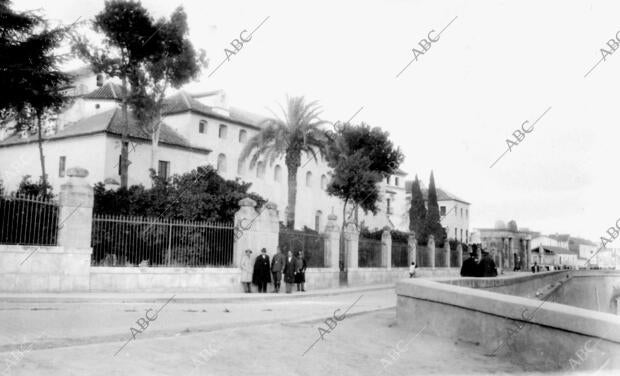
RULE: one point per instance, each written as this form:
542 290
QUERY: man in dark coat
261 276
277 266
487 266
470 266
289 271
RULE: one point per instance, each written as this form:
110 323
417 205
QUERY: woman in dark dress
300 271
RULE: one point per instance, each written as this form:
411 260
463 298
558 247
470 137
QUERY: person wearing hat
277 266
487 266
262 272
289 271
470 266
246 271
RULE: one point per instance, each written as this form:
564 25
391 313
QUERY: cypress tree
432 222
417 211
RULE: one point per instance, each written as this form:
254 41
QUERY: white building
195 133
453 211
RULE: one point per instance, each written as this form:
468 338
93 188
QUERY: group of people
473 267
293 268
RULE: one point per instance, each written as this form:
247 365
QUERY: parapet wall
543 336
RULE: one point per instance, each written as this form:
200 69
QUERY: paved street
214 338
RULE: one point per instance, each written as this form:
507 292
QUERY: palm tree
299 131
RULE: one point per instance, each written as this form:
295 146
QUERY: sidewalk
180 297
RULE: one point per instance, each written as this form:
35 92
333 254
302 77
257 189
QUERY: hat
263 250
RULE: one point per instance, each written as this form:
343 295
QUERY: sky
496 65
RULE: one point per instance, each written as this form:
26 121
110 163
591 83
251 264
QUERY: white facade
545 241
99 154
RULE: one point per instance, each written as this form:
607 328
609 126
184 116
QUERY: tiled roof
109 91
182 102
442 195
552 249
111 122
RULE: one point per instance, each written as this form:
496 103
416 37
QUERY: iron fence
400 254
369 253
132 241
313 246
28 220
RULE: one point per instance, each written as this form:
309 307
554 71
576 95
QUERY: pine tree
432 222
417 211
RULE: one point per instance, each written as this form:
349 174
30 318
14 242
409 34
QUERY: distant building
553 255
508 244
453 211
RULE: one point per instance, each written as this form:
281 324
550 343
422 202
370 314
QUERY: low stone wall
541 337
520 284
47 269
370 276
120 279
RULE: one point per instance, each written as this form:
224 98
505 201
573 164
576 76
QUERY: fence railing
28 220
312 245
132 241
369 253
400 254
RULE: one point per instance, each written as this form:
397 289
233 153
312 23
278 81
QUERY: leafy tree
173 63
298 132
32 84
417 211
432 223
199 195
360 157
126 28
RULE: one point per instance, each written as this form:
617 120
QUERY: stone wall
66 266
544 337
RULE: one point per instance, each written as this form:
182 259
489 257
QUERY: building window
466 236
323 182
317 221
221 163
396 181
461 234
389 180
456 211
260 170
466 213
97 106
164 169
223 129
455 233
240 167
61 166
277 173
461 212
243 136
202 126
308 179
442 210
389 207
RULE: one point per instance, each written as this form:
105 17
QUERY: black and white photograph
309 188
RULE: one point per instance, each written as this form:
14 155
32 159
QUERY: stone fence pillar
413 251
255 229
446 253
459 255
75 214
331 239
431 250
386 248
351 245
